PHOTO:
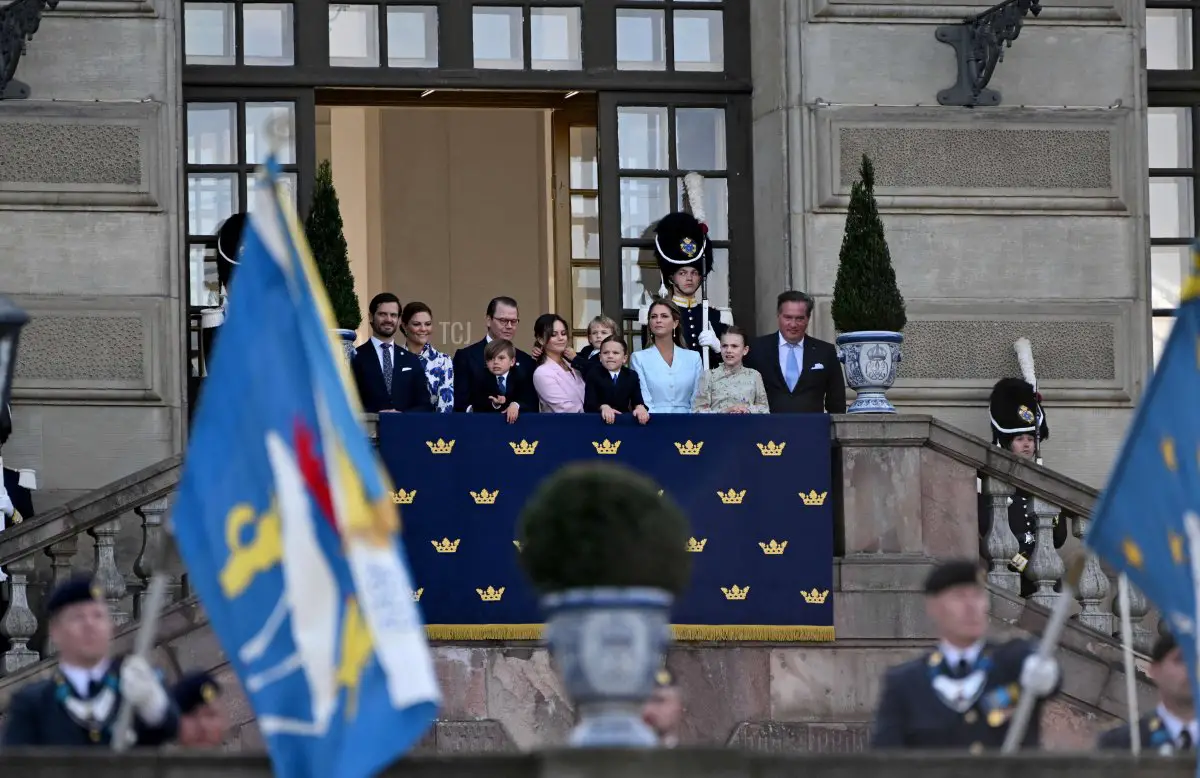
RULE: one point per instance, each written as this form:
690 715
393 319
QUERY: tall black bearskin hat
1016 409
680 240
229 240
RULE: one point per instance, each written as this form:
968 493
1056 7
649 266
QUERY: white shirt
81 678
614 375
378 344
1175 725
785 350
954 654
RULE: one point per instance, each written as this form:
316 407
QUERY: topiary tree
592 525
865 296
323 228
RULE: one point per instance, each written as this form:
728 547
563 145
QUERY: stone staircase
907 496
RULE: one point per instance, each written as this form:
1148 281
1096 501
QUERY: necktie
792 373
1185 740
503 384
615 377
962 669
387 365
96 686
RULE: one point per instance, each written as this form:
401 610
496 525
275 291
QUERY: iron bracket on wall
19 20
979 43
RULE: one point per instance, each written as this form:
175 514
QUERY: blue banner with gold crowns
756 489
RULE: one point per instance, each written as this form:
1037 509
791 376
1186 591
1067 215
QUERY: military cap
193 690
681 241
1016 409
1163 646
957 572
77 590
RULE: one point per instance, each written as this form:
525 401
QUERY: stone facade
1025 219
90 198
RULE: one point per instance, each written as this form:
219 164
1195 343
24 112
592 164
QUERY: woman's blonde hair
677 335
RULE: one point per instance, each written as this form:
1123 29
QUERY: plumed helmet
1016 409
680 241
229 240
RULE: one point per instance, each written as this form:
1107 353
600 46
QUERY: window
584 195
1173 121
681 35
238 33
656 146
226 140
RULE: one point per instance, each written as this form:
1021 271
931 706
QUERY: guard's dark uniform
1016 409
927 705
53 713
1155 735
680 241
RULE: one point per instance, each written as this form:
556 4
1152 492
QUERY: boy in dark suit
470 362
499 392
80 703
615 389
599 329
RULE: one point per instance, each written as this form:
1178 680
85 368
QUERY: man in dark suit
80 703
470 365
801 374
1171 727
962 695
389 378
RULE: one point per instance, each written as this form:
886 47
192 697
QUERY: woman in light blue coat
669 372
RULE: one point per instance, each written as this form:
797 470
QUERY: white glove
1039 676
141 688
6 506
709 338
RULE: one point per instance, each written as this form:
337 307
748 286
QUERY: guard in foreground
1171 727
963 694
80 703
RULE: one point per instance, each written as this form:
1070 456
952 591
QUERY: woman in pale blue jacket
669 372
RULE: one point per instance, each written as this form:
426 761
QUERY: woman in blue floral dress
417 323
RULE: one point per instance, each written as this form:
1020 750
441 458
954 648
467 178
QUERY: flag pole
1045 650
1135 733
123 736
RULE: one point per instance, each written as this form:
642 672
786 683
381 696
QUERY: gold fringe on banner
765 633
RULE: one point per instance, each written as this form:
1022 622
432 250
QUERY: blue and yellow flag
1147 524
285 521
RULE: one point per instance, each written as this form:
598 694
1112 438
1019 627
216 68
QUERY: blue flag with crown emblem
1147 523
285 521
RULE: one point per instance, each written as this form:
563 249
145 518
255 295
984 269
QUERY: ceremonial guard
684 256
1171 728
663 712
202 719
1019 425
963 694
80 704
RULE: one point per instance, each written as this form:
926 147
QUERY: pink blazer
560 391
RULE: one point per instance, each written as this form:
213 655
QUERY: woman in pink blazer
559 386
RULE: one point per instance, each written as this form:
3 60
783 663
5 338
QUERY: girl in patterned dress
416 321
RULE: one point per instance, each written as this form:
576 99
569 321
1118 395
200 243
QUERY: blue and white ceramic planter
347 337
608 645
871 358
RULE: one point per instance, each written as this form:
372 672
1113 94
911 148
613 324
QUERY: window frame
456 52
739 176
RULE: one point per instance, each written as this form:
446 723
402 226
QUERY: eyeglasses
508 322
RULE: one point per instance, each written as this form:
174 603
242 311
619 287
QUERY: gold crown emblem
440 446
689 449
736 593
770 449
773 548
696 546
484 497
812 498
607 447
517 543
731 497
490 595
97 593
403 497
446 545
524 448
417 594
815 597
208 692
